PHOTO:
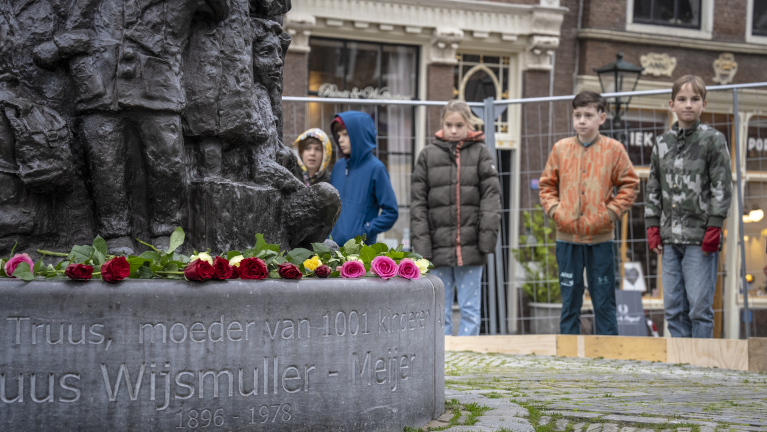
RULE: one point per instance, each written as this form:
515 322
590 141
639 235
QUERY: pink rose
14 262
352 269
384 267
408 269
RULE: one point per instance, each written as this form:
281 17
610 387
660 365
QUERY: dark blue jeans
598 260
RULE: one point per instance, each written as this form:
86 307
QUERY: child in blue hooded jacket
368 203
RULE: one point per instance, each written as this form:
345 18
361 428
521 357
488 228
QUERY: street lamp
617 77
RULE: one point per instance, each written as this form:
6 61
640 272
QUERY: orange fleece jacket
576 188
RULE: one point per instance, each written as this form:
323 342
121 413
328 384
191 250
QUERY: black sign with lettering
631 319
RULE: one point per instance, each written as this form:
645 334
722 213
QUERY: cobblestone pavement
528 393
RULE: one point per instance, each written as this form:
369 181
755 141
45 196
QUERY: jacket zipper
458 203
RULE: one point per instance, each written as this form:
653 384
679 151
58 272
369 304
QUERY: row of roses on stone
352 260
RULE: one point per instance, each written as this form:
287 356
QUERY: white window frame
750 38
706 23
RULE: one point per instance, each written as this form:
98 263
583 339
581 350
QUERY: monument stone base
274 355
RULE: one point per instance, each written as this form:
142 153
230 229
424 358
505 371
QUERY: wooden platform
746 355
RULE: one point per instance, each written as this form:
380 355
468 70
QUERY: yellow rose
312 263
235 261
203 256
423 265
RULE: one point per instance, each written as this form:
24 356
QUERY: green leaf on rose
335 274
413 256
80 254
260 243
144 272
39 268
150 255
298 255
274 274
100 245
23 272
171 267
180 258
232 254
50 271
380 248
176 240
352 247
396 255
320 249
399 248
98 257
367 254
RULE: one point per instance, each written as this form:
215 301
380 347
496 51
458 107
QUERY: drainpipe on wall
577 45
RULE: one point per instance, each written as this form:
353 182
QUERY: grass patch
474 412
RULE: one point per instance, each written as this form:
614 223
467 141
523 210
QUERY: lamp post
617 77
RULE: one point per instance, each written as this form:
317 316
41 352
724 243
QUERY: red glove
711 239
653 237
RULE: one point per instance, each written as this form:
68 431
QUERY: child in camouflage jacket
687 198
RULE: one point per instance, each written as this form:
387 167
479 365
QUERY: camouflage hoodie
690 184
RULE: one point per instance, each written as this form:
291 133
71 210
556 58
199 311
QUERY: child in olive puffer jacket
456 211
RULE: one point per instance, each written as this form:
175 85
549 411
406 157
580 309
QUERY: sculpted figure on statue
125 61
169 113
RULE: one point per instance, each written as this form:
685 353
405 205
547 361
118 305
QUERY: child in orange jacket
576 191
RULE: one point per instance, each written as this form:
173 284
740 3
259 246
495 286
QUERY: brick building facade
508 49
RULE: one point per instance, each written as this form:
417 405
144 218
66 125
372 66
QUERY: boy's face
344 142
586 121
687 105
312 155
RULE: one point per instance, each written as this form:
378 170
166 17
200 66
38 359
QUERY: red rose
253 268
289 271
199 270
235 272
79 271
221 269
322 271
115 270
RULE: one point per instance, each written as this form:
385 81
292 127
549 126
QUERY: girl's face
455 127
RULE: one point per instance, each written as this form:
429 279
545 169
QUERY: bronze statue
166 109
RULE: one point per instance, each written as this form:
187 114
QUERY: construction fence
521 293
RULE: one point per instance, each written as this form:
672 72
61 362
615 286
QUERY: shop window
756 144
675 18
755 230
639 128
356 70
759 18
674 13
756 21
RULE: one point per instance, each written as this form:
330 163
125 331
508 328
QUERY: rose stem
57 254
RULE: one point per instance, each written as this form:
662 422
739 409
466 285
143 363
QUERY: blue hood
362 134
368 203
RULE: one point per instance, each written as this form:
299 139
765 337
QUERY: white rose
235 261
423 265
